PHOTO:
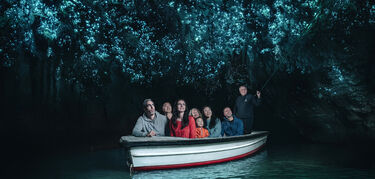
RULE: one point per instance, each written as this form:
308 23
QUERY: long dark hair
213 118
185 118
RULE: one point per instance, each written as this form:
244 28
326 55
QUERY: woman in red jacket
181 124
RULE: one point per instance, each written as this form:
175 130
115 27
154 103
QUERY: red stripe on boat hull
160 167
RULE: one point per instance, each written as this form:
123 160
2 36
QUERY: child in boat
201 132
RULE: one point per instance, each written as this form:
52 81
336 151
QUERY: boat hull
176 153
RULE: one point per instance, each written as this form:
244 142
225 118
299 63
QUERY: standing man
151 123
244 108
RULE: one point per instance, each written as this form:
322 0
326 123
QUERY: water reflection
233 169
293 161
91 165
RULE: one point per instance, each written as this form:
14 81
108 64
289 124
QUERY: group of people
180 122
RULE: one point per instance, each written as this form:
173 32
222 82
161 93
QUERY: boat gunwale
177 141
201 152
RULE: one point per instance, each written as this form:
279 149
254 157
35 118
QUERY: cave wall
82 68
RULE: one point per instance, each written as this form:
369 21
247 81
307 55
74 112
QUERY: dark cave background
74 73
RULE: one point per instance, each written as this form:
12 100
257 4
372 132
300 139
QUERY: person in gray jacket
151 123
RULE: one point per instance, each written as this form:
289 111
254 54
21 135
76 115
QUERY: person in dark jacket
244 107
231 126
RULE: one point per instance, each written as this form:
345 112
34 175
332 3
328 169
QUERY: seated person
201 132
167 110
195 113
151 123
231 126
212 123
181 124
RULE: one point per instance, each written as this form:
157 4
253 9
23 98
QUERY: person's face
194 113
167 108
181 106
243 90
227 112
207 112
150 108
199 122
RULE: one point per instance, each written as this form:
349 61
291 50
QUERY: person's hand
152 133
258 94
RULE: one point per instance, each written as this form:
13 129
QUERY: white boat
153 153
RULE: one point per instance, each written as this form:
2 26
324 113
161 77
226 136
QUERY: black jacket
244 105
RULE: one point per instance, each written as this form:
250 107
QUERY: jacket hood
144 116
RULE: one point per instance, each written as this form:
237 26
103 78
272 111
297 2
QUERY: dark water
275 161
